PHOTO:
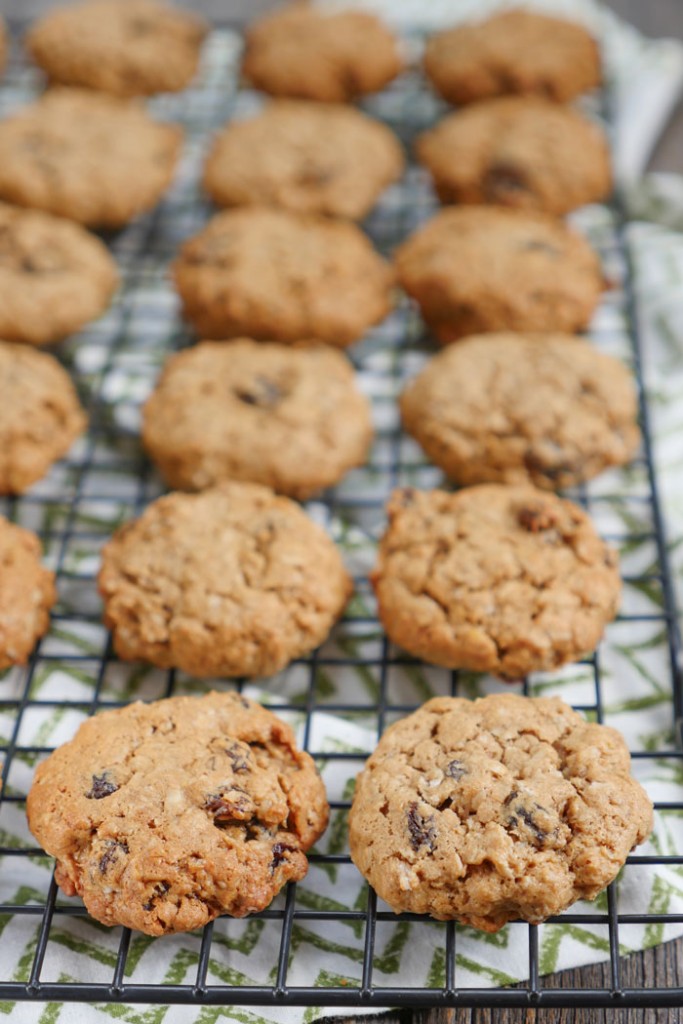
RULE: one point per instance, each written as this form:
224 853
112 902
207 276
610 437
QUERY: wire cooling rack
73 673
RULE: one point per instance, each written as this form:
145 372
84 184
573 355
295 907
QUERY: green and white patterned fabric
106 480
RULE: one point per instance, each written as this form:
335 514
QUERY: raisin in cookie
230 582
291 418
495 810
40 416
54 276
279 276
476 269
313 54
27 592
130 48
307 157
516 51
507 580
546 409
528 153
95 159
163 816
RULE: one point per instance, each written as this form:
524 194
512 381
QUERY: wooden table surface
659 967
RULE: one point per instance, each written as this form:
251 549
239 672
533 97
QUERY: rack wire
106 480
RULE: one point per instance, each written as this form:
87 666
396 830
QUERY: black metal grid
108 472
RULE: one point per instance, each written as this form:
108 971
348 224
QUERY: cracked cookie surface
54 276
163 816
138 47
27 593
290 418
507 580
93 158
234 581
308 157
517 51
495 810
526 153
475 269
40 415
313 54
278 276
546 409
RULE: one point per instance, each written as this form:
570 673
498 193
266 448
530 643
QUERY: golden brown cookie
514 51
310 53
54 276
528 153
230 582
546 409
279 276
307 157
507 580
27 592
40 416
291 418
124 47
495 810
87 156
475 269
163 816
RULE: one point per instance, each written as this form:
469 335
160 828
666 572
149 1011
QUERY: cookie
245 410
137 47
313 54
40 416
54 276
517 51
278 276
495 810
523 152
307 157
163 816
27 592
95 159
545 409
475 269
506 580
230 582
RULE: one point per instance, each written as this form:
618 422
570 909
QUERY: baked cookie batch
163 816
